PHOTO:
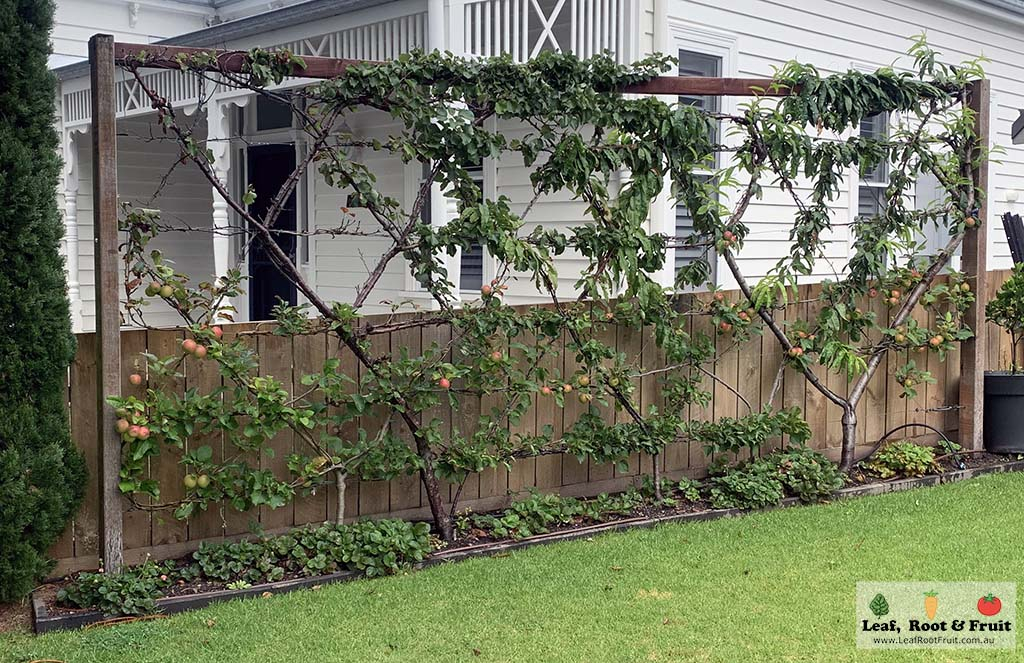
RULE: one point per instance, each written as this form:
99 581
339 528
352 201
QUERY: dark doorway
268 168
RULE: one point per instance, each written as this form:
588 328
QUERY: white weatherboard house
744 38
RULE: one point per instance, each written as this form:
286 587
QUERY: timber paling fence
744 373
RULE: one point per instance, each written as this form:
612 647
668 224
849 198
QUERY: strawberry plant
902 458
372 548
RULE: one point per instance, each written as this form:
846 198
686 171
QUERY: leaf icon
879 606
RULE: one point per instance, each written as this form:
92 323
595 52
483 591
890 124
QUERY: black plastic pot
1004 412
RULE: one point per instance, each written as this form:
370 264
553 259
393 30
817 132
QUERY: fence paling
748 369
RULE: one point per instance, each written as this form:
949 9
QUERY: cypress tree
42 475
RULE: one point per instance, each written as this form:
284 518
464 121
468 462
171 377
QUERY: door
268 168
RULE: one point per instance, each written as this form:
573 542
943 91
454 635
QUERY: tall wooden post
108 313
973 263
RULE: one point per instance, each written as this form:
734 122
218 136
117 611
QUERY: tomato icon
989 605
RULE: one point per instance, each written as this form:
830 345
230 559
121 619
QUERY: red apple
135 379
444 383
188 345
200 351
133 431
486 290
496 356
217 332
545 390
143 433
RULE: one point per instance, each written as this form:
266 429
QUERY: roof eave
220 35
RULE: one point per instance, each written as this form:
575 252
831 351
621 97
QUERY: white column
436 25
218 134
70 149
662 207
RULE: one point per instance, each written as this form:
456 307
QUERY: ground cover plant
381 424
385 547
675 593
371 548
902 458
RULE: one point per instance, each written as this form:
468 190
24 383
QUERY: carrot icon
931 604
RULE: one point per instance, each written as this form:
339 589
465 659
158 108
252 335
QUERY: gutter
219 35
1008 11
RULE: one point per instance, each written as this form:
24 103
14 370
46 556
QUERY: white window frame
883 183
305 191
854 179
680 34
413 175
489 189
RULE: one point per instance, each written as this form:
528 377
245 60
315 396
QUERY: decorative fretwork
524 28
383 40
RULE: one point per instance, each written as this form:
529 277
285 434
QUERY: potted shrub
1004 390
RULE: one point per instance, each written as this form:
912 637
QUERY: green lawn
776 586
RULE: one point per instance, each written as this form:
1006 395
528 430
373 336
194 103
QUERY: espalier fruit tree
613 152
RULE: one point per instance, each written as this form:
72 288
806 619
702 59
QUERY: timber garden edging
44 622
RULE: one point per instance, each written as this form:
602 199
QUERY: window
695 64
871 192
272 114
471 266
471 261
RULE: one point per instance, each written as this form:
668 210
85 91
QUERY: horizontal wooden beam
714 87
166 57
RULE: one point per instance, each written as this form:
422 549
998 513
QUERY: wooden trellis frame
105 55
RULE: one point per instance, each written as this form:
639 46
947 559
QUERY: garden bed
49 615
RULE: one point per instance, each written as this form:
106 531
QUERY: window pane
471 271
875 126
699 64
869 203
684 229
272 114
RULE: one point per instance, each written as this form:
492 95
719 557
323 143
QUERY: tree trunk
442 519
849 437
339 483
656 475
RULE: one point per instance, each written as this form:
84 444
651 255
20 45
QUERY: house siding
185 198
833 35
344 263
836 36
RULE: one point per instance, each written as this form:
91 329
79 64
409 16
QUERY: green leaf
879 606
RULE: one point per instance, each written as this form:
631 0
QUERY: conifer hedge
42 476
